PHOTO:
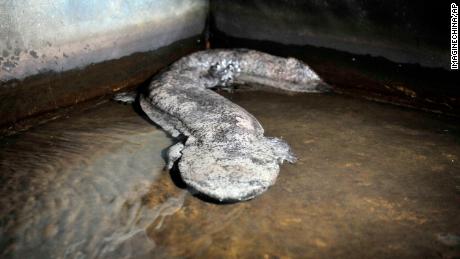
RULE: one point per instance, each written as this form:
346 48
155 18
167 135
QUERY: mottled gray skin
226 155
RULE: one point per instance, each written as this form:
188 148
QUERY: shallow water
73 188
372 180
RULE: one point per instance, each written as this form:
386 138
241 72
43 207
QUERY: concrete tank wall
51 51
42 35
399 30
393 51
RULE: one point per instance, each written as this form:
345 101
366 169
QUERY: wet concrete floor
372 181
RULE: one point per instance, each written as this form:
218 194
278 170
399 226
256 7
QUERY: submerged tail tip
125 97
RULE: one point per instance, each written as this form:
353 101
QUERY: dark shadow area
211 200
174 173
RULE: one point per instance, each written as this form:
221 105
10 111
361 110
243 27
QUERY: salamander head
228 179
228 176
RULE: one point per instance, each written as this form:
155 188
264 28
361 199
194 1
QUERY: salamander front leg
174 153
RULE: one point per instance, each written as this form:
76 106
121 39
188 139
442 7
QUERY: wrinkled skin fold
226 155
